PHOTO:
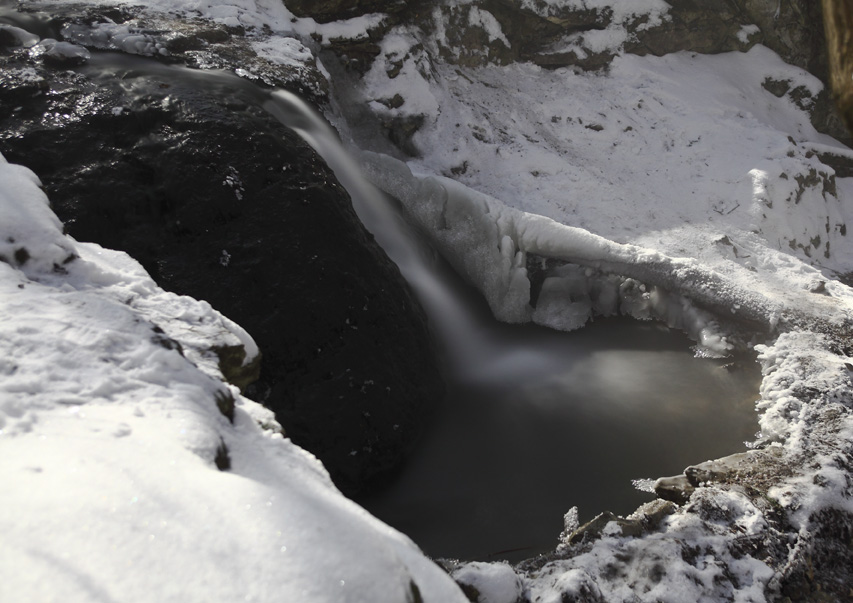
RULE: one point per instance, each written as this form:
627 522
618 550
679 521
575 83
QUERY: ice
487 242
59 50
24 38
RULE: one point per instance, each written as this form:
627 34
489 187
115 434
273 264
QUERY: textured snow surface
110 437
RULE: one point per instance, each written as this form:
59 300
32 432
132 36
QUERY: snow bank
489 582
131 471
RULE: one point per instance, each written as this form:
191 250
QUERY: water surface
564 420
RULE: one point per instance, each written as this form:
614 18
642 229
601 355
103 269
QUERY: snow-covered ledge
132 471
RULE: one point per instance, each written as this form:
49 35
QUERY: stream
535 421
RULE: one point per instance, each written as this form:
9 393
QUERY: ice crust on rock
22 36
122 477
488 242
113 36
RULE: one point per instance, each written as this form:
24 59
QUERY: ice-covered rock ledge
131 471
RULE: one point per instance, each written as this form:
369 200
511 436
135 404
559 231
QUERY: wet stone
676 489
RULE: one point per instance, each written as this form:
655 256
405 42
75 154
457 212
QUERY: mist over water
535 421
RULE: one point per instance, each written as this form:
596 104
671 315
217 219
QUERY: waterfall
536 420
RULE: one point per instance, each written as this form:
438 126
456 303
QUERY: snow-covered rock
131 471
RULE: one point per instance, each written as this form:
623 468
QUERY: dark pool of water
514 449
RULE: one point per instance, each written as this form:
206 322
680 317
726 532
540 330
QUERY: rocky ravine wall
791 28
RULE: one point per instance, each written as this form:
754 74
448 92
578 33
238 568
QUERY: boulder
219 201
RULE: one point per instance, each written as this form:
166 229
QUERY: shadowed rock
219 201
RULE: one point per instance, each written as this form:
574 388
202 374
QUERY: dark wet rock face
220 202
195 43
335 10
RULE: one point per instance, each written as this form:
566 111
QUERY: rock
197 44
820 572
220 202
693 25
791 29
759 467
324 11
838 17
652 513
677 489
607 522
481 32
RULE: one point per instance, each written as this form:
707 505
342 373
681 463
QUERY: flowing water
535 421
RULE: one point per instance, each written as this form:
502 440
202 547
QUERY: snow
285 51
747 31
487 21
111 445
409 83
493 582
